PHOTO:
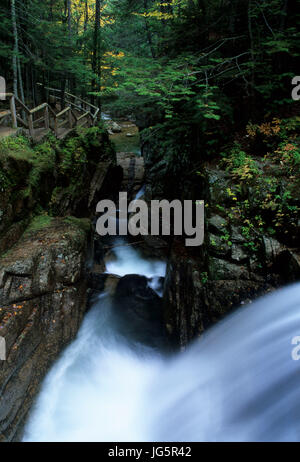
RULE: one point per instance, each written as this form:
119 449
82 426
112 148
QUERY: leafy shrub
241 165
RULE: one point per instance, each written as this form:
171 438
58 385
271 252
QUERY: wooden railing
76 111
75 101
12 110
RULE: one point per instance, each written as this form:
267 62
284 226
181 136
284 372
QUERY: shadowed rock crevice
137 312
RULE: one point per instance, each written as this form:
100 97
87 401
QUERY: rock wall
42 302
48 195
60 178
237 262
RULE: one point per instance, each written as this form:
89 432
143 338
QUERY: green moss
17 147
45 176
21 163
83 223
38 222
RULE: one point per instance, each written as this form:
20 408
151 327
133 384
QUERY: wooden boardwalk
40 120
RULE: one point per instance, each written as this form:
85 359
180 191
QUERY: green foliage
39 159
169 87
43 161
263 192
174 141
242 166
16 147
73 158
204 277
226 238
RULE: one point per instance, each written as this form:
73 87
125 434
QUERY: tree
16 47
96 63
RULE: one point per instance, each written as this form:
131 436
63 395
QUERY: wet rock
42 302
113 126
238 253
133 172
138 311
103 282
217 224
194 300
222 269
111 283
287 264
223 296
272 249
236 234
218 181
185 316
104 171
218 247
153 247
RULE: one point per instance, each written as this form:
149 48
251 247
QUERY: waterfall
239 382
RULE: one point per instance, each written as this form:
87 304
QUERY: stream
96 391
239 382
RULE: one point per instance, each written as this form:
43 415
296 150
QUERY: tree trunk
16 47
86 16
69 6
250 31
96 62
148 31
21 86
63 93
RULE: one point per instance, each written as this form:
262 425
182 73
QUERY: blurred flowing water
237 383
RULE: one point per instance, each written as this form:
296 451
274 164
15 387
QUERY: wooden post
30 125
13 112
55 127
47 122
70 118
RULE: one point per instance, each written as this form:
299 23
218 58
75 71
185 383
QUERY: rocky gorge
53 265
48 196
252 235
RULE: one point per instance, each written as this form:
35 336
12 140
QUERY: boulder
272 249
222 269
113 126
218 181
218 247
138 312
236 235
217 224
238 253
287 264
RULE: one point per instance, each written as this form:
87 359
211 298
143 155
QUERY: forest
203 64
203 75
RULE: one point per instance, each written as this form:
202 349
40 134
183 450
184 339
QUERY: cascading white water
105 116
238 383
128 261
